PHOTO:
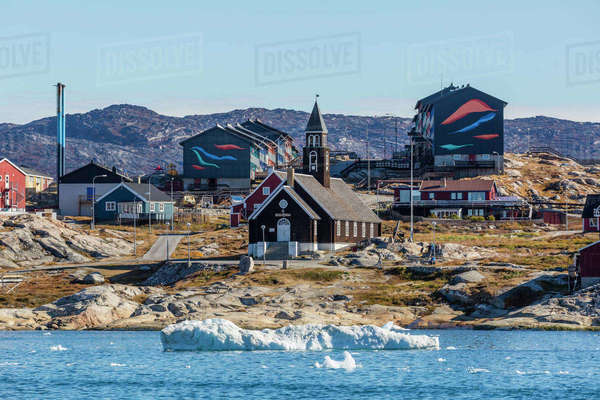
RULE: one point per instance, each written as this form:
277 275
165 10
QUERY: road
158 251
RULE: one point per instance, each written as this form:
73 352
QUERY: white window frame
161 207
338 228
7 199
355 229
152 207
313 163
110 206
372 230
476 196
347 226
7 180
266 191
364 229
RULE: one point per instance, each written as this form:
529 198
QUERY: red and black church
310 211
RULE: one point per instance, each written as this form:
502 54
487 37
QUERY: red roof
461 185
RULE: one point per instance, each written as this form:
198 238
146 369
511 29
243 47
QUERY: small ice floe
112 364
8 364
507 358
441 359
220 334
347 363
563 372
520 372
450 348
58 348
264 367
47 334
188 366
472 370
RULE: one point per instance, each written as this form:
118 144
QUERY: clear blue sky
519 48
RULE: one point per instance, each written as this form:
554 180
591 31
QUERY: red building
254 200
591 213
449 189
587 261
12 186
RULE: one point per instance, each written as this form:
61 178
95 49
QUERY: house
587 262
76 188
591 213
12 186
449 198
260 193
36 181
128 201
230 156
310 211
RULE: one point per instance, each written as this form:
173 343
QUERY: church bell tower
316 153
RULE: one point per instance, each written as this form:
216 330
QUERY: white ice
347 363
472 370
220 334
58 348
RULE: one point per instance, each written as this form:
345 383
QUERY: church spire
315 152
316 124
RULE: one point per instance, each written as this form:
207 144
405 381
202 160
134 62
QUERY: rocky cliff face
135 138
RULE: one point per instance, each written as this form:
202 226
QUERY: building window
593 222
338 228
355 229
431 196
312 161
372 229
7 180
364 229
161 207
453 196
347 228
152 207
485 156
266 191
110 206
476 196
7 199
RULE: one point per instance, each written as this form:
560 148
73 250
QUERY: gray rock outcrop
246 265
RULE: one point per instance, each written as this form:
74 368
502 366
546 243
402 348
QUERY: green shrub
476 218
454 216
491 218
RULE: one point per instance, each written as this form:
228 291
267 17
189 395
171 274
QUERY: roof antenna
316 97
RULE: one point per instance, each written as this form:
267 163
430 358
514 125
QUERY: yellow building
36 181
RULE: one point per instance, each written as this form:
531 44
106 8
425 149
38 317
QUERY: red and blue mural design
201 154
471 128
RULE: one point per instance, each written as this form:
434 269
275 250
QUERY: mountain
136 139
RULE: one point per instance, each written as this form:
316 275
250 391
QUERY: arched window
312 161
317 141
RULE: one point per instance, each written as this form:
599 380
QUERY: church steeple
316 152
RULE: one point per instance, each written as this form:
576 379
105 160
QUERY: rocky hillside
135 138
547 177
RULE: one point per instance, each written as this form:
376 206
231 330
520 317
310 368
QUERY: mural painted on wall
424 123
472 127
204 164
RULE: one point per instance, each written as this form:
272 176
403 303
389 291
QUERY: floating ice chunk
219 334
450 348
563 372
347 363
58 348
117 365
391 327
441 359
47 334
472 370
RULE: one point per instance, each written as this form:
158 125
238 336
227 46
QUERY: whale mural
229 147
471 106
485 118
452 147
487 137
213 156
202 162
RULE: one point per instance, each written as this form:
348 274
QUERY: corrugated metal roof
461 185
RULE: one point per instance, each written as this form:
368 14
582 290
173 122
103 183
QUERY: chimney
290 177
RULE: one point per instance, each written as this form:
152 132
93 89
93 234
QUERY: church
309 210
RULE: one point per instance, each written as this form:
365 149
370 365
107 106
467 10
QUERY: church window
312 160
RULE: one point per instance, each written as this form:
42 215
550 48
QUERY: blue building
128 201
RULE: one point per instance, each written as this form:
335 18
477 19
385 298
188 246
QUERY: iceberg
222 335
347 363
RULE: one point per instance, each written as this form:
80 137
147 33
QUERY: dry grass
39 289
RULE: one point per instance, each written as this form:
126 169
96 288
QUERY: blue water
126 365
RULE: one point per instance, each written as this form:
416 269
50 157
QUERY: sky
364 58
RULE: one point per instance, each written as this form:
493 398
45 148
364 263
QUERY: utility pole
411 190
368 162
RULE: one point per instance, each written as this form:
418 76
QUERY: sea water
468 365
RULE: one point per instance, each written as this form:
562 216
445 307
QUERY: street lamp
433 257
188 235
94 199
264 244
167 242
172 206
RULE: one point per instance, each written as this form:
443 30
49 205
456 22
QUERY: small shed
588 264
554 217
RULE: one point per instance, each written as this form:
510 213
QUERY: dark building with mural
230 156
460 129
